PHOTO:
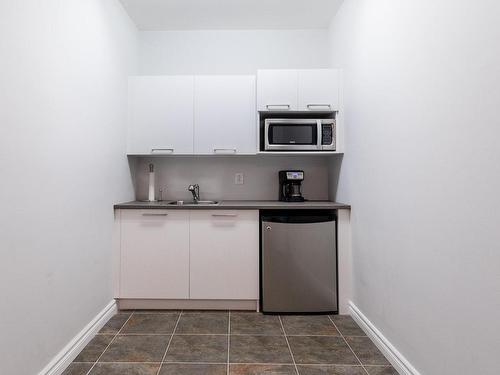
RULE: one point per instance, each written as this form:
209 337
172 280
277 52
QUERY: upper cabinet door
318 90
225 115
160 115
277 90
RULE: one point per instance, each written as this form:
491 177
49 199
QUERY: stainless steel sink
193 203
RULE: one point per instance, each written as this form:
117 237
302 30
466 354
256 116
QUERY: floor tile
203 323
192 369
308 325
197 348
330 370
381 370
151 323
321 350
366 351
115 323
94 348
347 326
136 348
78 368
259 349
262 369
252 323
125 369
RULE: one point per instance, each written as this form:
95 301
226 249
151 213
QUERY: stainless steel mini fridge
298 261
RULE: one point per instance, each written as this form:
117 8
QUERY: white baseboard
398 361
63 359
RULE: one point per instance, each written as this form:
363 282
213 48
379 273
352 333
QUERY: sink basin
193 203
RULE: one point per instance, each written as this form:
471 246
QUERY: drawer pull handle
162 150
225 151
224 215
282 107
146 214
310 106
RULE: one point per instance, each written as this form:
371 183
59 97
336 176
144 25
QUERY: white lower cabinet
224 254
154 254
224 247
189 254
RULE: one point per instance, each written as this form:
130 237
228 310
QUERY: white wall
215 175
422 174
63 71
231 51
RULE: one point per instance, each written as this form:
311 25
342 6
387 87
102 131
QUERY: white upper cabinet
298 90
210 115
277 90
160 115
224 115
318 90
224 254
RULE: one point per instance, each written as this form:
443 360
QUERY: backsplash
216 176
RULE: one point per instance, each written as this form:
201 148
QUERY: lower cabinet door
224 247
154 254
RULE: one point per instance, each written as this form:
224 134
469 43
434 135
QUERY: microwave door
292 135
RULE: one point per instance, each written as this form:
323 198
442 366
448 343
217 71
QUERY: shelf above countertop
305 153
240 205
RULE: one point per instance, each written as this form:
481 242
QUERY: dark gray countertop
242 205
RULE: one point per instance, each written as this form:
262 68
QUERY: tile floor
229 342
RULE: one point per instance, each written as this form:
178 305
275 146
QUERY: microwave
299 134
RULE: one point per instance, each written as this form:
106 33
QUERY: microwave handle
320 134
267 146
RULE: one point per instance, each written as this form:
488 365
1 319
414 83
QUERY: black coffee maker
290 185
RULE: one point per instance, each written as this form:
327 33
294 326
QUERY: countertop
242 205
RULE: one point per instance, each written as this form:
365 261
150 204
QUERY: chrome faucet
195 190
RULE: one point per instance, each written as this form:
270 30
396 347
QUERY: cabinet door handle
151 214
224 215
282 107
225 151
311 106
162 150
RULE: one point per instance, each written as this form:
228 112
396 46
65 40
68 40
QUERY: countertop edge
240 205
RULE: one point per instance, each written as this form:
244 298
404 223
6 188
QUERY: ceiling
230 14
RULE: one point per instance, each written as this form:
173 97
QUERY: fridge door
299 266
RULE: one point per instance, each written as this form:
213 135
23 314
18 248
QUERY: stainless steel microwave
299 134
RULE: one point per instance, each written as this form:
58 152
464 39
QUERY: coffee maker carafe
290 186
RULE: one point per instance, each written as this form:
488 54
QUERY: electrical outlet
238 179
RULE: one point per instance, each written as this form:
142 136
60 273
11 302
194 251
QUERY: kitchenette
250 187
235 203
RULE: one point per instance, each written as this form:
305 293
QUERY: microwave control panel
326 134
